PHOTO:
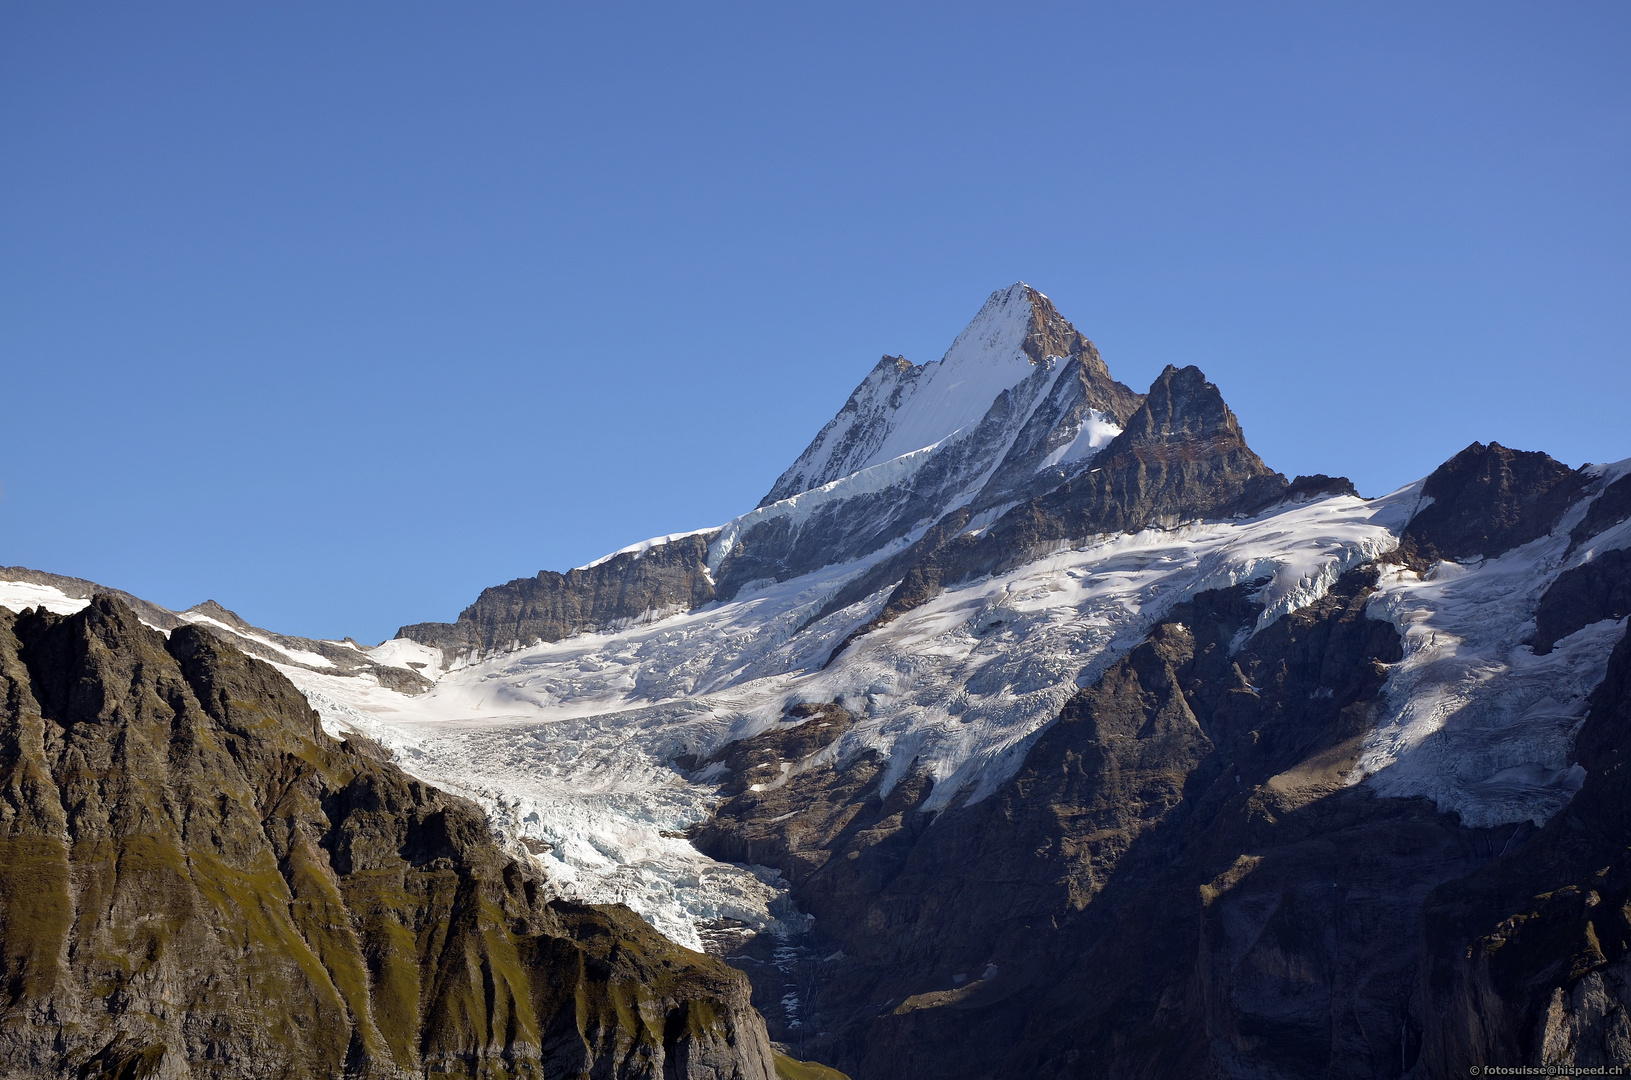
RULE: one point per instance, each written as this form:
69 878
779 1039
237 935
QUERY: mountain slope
399 665
1184 876
196 879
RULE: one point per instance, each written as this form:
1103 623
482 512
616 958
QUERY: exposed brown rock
1182 457
1608 509
1595 590
1129 902
334 657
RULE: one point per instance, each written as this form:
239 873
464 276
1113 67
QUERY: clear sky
337 313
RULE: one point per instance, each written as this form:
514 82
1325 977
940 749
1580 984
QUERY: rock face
1488 500
63 594
1181 457
1177 882
1600 586
1591 592
902 407
626 587
195 880
1093 746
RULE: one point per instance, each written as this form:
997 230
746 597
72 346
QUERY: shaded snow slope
1477 721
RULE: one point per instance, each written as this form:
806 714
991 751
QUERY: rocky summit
1029 726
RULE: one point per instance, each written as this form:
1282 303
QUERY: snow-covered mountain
1007 629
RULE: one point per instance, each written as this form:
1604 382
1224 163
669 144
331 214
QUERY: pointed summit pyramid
1016 341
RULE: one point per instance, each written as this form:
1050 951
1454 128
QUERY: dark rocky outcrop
1608 509
81 589
1597 589
1488 500
624 588
1084 384
196 880
332 657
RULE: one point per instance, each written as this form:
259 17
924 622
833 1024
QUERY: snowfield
894 413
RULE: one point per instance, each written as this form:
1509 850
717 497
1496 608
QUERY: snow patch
405 653
1097 431
19 595
299 656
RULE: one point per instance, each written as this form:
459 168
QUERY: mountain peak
900 407
1017 319
1181 403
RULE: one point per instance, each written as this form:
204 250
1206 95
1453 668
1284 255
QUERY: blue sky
338 313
